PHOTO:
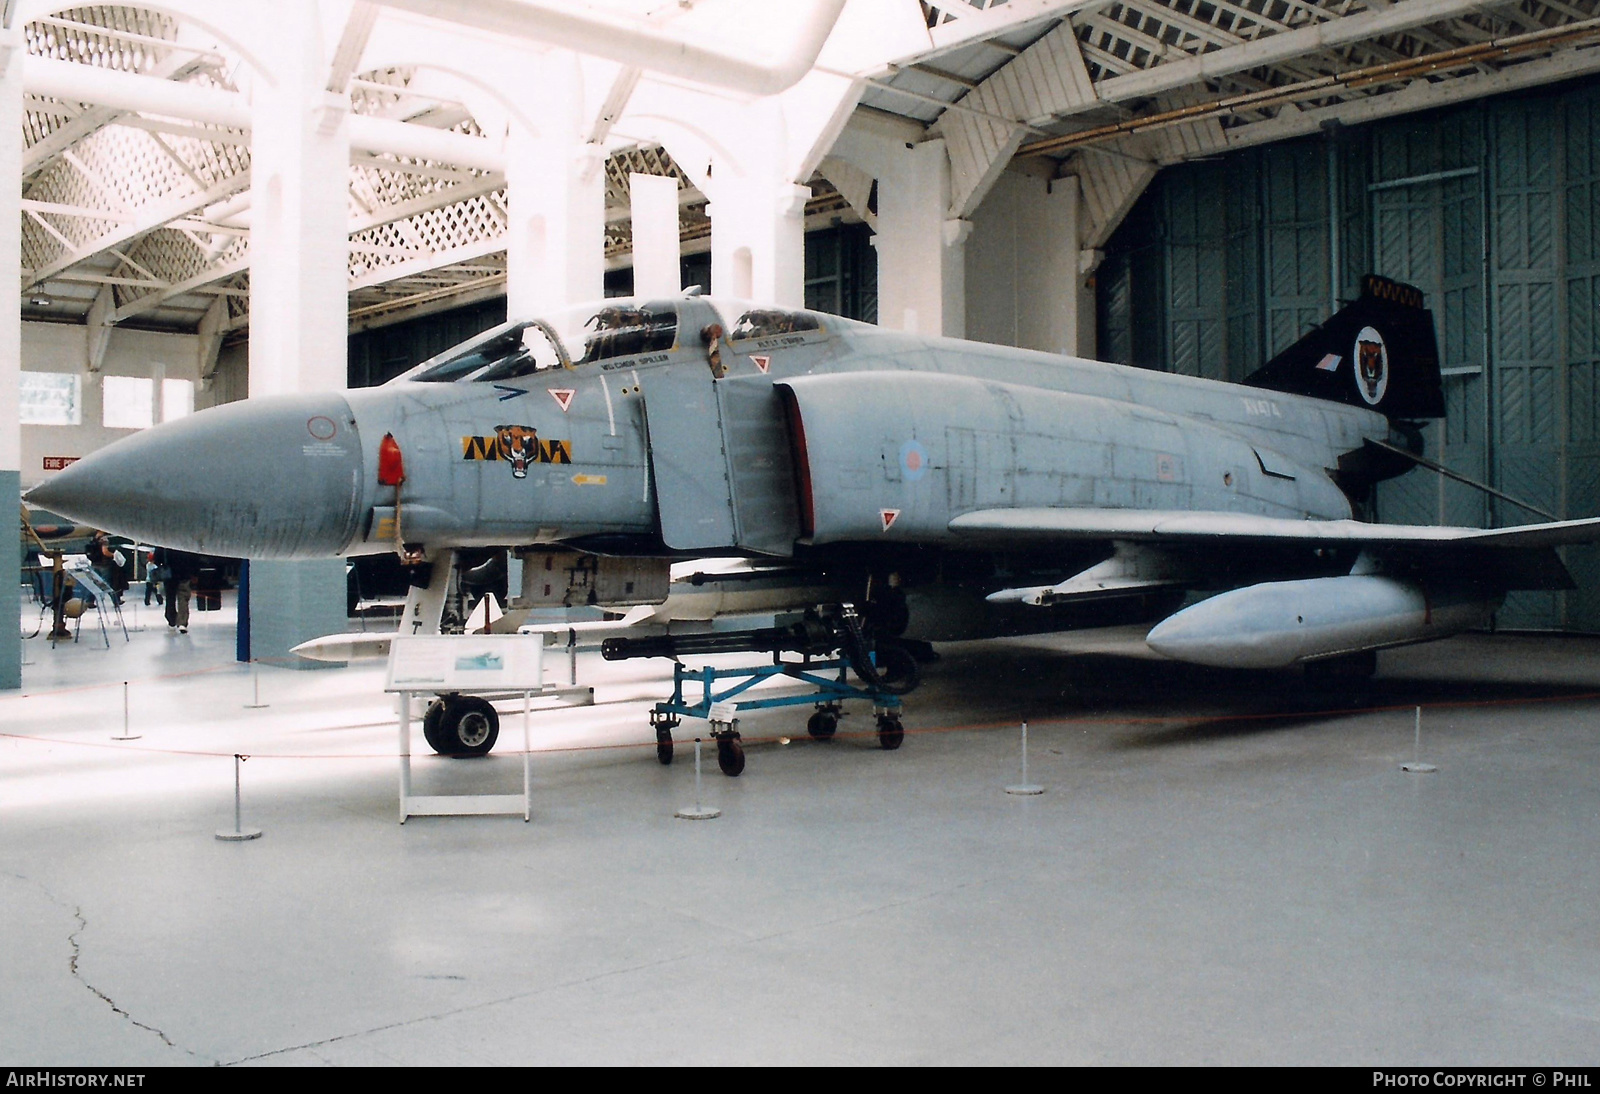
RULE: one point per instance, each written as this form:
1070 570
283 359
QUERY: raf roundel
1371 359
913 460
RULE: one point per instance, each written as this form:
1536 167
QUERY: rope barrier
223 667
863 735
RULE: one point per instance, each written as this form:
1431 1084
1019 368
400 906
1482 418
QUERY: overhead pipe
660 50
76 83
1389 72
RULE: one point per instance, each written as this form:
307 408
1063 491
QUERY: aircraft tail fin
1379 353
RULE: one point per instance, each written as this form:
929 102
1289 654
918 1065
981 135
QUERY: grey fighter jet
901 489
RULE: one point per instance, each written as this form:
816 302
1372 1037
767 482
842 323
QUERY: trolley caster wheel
468 726
730 756
822 725
890 732
664 745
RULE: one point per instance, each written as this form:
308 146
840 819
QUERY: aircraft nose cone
264 478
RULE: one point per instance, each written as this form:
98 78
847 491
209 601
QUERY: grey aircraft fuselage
1001 489
923 428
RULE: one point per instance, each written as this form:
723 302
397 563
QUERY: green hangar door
1492 208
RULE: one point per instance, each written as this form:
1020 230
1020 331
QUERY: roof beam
1339 84
1420 95
98 117
424 263
84 211
180 288
72 82
1270 49
664 49
973 25
426 203
144 221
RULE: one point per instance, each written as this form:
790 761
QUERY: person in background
107 561
180 568
155 579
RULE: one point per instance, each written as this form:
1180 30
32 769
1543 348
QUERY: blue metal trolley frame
830 691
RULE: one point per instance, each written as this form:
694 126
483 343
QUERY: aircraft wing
1176 526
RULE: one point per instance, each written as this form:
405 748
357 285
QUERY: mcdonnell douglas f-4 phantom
899 489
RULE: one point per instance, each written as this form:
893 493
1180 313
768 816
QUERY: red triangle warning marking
762 363
563 396
889 517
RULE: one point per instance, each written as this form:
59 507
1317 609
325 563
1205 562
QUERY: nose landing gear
461 725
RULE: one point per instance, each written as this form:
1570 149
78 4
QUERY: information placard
466 662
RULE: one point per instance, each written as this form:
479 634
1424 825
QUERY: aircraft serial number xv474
898 489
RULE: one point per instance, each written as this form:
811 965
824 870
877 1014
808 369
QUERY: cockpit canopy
588 333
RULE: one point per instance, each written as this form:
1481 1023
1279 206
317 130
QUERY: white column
299 285
758 240
10 338
921 263
657 249
757 212
1024 286
299 242
555 193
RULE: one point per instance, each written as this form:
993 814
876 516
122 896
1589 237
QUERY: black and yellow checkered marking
488 448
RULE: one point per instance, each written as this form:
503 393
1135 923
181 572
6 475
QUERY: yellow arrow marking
588 480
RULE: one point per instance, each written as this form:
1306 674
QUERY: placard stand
453 805
464 665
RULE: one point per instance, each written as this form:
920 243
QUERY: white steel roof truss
146 220
181 288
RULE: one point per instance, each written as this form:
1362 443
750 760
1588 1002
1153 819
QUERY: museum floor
1224 868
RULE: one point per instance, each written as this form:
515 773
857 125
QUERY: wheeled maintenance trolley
720 707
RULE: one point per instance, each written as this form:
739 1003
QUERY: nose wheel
460 725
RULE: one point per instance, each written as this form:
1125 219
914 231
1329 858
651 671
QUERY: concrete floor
1225 868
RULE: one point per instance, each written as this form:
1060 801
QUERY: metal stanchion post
238 834
1025 787
126 734
255 688
698 811
1416 765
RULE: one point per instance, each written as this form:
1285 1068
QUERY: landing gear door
683 417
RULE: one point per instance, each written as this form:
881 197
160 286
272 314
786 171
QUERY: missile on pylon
1281 623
